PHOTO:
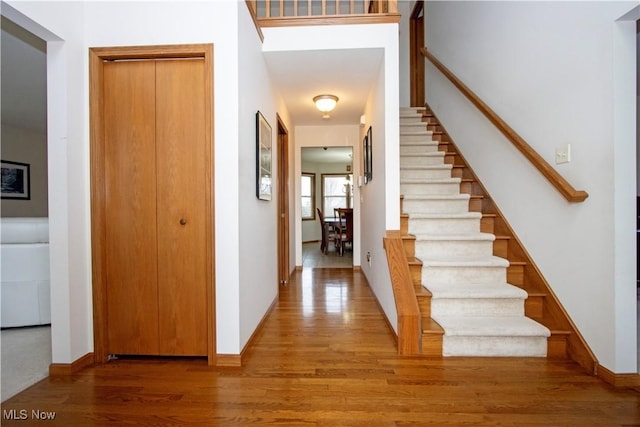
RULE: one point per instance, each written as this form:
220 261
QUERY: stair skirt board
480 313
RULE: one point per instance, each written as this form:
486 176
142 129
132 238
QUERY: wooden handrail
571 194
408 312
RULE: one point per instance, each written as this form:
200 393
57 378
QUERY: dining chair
345 234
328 233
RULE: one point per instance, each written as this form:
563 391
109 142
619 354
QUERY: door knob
183 221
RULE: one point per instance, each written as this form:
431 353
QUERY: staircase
460 271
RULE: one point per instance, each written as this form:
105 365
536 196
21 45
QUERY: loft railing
278 13
571 194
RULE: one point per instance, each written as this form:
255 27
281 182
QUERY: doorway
26 307
326 184
152 201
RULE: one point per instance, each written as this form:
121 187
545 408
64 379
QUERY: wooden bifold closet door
155 179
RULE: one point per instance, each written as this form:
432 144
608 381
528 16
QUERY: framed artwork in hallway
367 150
16 180
263 158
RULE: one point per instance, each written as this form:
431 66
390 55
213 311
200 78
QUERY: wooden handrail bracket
571 194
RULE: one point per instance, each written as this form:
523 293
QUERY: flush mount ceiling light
325 103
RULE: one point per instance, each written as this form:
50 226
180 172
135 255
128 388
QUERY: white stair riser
426 249
477 275
443 225
477 307
494 346
425 173
421 137
430 188
427 147
437 158
435 206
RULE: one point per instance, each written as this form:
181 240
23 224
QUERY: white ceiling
347 73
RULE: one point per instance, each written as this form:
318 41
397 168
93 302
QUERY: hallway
326 357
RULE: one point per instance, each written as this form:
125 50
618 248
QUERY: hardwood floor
325 357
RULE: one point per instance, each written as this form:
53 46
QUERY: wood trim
570 194
97 168
284 239
236 359
97 56
296 21
618 380
416 62
229 360
252 11
210 204
66 369
409 317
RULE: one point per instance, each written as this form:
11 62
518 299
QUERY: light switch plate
563 154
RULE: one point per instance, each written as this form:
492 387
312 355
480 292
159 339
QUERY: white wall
548 69
71 28
378 195
258 219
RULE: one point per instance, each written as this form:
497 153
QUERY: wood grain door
156 161
130 218
181 174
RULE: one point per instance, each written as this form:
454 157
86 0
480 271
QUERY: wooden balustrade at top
277 13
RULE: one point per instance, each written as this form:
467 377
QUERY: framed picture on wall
367 150
263 158
16 180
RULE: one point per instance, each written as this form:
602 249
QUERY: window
337 192
308 196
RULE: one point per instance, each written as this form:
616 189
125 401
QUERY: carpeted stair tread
475 290
429 167
425 154
428 197
409 143
456 236
430 181
488 261
444 215
491 326
412 132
